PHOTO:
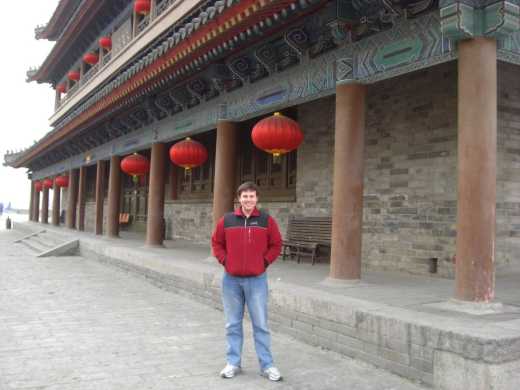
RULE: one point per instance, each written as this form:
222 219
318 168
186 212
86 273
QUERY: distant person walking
246 242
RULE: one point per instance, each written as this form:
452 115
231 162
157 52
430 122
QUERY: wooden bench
124 218
306 236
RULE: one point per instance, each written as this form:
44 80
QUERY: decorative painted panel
462 19
509 49
410 45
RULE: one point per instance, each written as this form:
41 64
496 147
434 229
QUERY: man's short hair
247 186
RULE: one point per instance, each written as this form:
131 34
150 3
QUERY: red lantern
135 165
47 183
277 134
73 75
38 186
188 154
91 58
105 42
62 181
142 7
61 88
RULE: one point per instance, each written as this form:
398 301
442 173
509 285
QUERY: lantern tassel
135 179
277 158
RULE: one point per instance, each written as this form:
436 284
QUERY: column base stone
339 283
473 308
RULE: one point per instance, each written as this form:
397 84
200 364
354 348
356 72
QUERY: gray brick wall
410 173
508 165
64 198
410 182
192 221
90 216
188 220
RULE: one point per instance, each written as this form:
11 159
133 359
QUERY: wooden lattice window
90 183
276 179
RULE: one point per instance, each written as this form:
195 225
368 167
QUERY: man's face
248 200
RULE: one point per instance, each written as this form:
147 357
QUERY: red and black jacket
246 246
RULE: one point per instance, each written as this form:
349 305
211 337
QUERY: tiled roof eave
50 28
89 9
176 53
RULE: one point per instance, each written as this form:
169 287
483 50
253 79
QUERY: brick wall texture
410 193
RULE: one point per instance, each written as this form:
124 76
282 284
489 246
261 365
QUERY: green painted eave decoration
502 19
460 20
398 53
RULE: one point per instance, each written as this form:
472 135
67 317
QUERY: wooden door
135 203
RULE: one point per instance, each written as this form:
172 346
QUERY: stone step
34 248
31 234
38 245
45 241
69 248
51 236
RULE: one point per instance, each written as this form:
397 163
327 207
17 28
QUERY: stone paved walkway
70 323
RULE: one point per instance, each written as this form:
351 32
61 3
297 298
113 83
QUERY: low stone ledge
387 337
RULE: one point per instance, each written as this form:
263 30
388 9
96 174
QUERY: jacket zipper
245 248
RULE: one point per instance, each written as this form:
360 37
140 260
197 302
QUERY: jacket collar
238 211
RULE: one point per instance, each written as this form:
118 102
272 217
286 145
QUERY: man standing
246 242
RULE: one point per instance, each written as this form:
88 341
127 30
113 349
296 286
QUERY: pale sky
26 107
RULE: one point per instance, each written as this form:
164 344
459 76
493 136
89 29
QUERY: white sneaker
272 374
229 371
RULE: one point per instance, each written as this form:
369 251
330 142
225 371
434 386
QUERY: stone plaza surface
14 217
71 323
405 324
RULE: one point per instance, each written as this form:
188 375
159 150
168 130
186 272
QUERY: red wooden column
477 149
31 203
36 206
155 218
114 197
347 198
81 198
56 195
225 164
45 205
70 218
100 194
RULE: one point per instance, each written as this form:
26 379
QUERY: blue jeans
236 293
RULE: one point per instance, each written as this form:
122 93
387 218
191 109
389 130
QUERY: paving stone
71 323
